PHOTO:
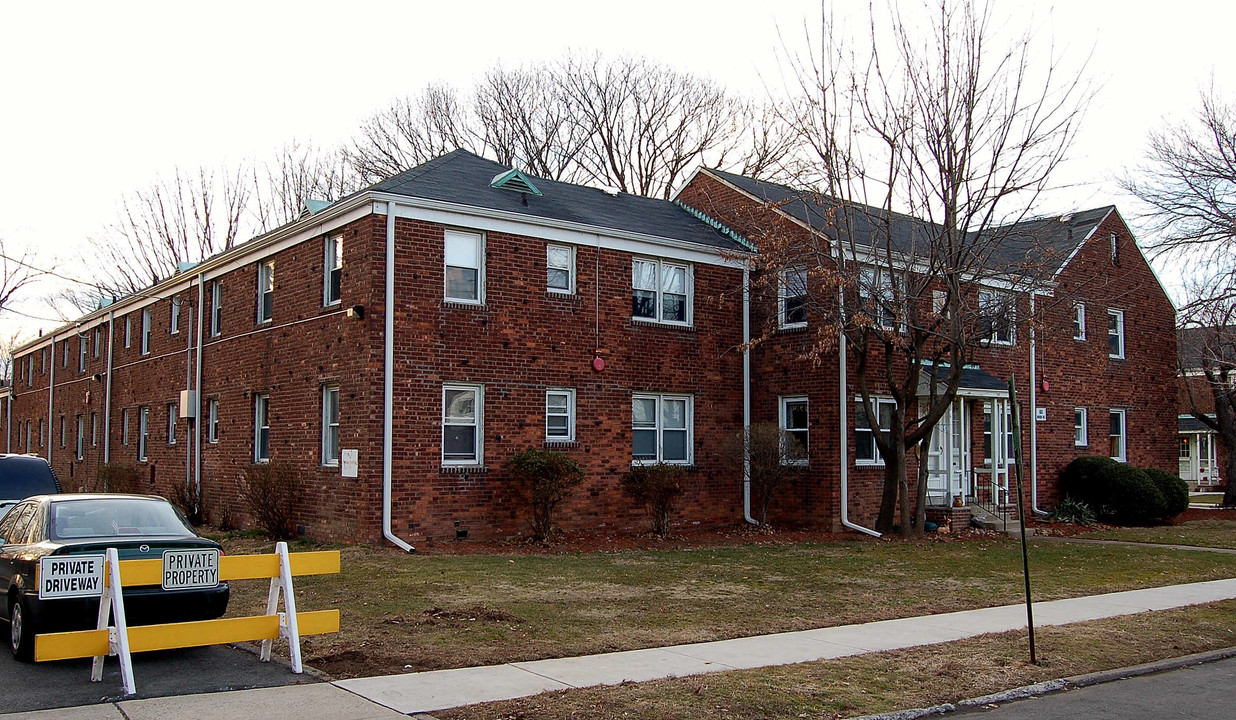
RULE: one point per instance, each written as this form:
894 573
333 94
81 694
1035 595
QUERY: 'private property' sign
190 569
70 576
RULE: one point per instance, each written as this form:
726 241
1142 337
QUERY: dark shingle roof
1044 243
1190 424
462 178
1193 344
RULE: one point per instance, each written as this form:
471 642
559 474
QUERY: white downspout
197 389
1034 422
746 394
51 395
845 444
107 389
388 383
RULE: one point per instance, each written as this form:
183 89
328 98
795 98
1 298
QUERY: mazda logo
143 548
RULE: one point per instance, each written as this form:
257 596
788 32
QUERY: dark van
22 476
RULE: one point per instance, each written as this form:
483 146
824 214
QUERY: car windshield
114 517
22 477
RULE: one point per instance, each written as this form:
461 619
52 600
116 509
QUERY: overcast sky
99 98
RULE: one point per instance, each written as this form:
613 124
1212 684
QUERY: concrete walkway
438 690
1134 543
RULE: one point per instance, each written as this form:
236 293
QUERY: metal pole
1021 513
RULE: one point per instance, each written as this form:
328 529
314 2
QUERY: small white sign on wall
1040 414
348 461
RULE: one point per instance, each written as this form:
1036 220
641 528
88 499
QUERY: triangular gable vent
514 180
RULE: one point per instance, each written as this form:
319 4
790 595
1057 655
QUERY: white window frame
94 429
1115 249
124 426
143 433
784 297
876 459
989 411
261 425
1079 321
569 394
80 445
216 308
879 280
477 423
83 351
265 289
1122 454
173 322
1081 427
784 404
330 426
146 323
659 291
1118 333
479 238
64 359
63 431
128 331
212 420
659 427
98 340
570 268
1008 303
332 263
172 415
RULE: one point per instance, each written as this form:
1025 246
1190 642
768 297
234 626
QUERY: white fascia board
466 216
248 252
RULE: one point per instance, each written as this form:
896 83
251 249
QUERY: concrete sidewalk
438 690
395 696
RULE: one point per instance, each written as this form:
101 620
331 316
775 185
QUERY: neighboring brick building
533 313
1202 455
1101 351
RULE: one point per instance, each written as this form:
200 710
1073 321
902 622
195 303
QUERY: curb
1061 684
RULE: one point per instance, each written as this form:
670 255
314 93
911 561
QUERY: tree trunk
1229 470
894 473
920 506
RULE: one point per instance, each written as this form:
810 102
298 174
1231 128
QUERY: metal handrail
988 493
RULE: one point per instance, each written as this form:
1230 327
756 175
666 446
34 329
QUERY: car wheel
21 631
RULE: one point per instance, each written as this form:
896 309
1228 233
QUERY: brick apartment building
1202 456
531 313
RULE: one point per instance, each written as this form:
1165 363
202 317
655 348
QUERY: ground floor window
1118 436
1080 430
143 432
261 428
865 450
794 432
560 415
462 424
330 425
661 428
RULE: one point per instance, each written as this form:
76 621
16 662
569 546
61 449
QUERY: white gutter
1034 421
746 395
197 389
845 445
388 383
107 390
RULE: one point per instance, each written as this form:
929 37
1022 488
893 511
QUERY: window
94 429
83 347
81 437
660 292
465 278
997 317
661 428
1184 451
216 309
43 361
29 371
1081 431
98 340
462 424
173 324
865 450
330 425
128 330
171 424
212 421
1115 334
332 283
988 453
143 432
1079 321
266 291
1118 436
27 436
62 431
560 269
124 426
792 298
877 296
64 361
146 331
794 433
1115 250
560 415
261 428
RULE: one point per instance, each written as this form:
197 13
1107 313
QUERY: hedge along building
1088 337
522 313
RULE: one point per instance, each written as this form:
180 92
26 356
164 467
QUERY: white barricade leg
112 603
105 616
272 608
288 627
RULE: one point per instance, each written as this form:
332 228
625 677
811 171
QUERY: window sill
462 470
1117 357
448 304
560 444
561 295
795 328
647 463
869 463
645 322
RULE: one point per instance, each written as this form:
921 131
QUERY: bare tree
1208 346
410 131
926 146
300 172
16 273
526 120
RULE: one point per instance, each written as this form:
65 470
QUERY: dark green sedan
69 533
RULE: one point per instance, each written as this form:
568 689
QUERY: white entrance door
947 458
1188 468
998 427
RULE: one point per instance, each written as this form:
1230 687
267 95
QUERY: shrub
1133 496
116 477
764 447
657 488
1175 490
269 490
1085 479
189 502
543 479
1072 510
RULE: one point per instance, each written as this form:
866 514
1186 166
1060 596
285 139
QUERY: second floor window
1079 321
146 331
559 269
266 291
1115 334
792 298
173 326
83 349
465 276
660 291
332 283
216 309
997 317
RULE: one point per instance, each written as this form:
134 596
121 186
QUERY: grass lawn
420 612
1204 498
882 682
1218 530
